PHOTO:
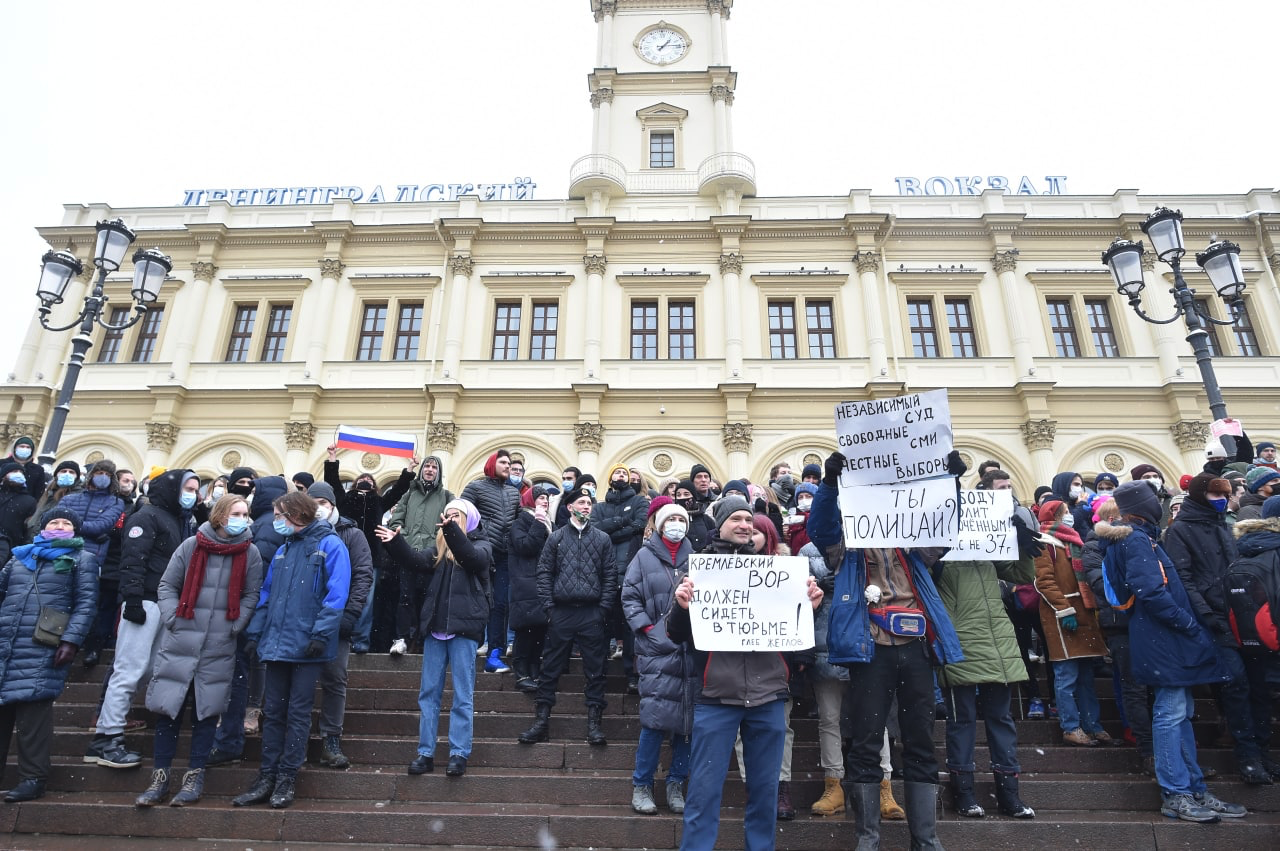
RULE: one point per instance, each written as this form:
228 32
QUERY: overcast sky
129 103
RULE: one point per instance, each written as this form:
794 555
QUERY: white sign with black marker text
894 440
904 514
750 603
985 531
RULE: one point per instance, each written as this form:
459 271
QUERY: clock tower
662 101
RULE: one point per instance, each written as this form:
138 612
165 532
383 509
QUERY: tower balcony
597 173
727 170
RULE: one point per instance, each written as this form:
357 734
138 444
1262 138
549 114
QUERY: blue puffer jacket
1168 647
849 628
100 511
26 668
302 597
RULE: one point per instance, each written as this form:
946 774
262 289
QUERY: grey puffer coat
201 650
668 676
818 569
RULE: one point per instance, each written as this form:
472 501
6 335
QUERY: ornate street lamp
56 272
1220 261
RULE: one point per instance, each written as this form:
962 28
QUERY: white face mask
324 512
217 493
804 504
1156 483
1077 492
1068 520
674 531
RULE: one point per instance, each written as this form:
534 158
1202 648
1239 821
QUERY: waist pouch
900 621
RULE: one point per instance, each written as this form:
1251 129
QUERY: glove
1069 623
314 648
133 612
832 467
955 464
64 654
1028 541
251 650
348 624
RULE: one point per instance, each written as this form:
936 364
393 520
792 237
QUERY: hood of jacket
1061 485
491 468
1254 537
266 491
164 490
439 482
1112 531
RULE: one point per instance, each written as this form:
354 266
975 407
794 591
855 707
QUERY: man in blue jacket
884 662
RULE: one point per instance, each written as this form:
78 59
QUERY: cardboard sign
985 531
894 440
750 603
906 514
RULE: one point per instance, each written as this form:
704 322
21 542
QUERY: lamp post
1220 261
56 272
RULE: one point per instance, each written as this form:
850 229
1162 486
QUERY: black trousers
585 625
905 671
34 722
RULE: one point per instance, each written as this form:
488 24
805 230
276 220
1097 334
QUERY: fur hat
726 506
322 490
1271 507
1258 477
59 511
1138 498
668 511
1198 490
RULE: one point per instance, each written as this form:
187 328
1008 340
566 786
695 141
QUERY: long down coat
971 592
201 650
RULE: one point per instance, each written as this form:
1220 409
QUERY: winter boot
832 801
865 800
157 791
259 792
331 753
595 733
675 796
786 812
192 788
541 729
1007 797
962 795
889 809
642 800
922 815
282 795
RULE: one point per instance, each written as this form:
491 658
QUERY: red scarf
195 575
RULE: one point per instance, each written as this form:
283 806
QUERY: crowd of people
229 601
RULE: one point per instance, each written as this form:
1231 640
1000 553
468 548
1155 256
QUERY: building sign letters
1054 184
519 189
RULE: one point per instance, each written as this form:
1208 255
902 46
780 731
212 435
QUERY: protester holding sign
741 692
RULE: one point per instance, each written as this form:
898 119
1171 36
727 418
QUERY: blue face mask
101 482
18 479
22 453
236 525
567 485
515 480
1218 505
282 527
187 499
66 480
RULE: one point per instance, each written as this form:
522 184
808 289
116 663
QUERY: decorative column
721 99
717 10
868 264
737 443
203 273
730 270
460 268
587 439
591 334
602 103
1190 436
1005 264
442 437
331 270
604 15
16 430
299 437
1038 436
160 440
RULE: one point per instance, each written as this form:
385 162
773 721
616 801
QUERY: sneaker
111 752
399 647
494 664
1032 656
616 651
1210 801
1185 807
1053 712
1102 737
221 757
1036 709
482 650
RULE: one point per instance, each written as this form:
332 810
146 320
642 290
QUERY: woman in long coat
529 532
206 598
1069 615
53 572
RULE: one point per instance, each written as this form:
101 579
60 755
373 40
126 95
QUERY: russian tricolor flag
371 440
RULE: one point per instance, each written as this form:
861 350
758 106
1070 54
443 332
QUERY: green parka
418 512
970 590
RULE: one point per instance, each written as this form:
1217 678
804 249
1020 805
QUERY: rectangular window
820 325
680 332
241 333
1063 327
408 332
148 333
506 330
1246 337
662 150
372 326
1104 334
964 342
1215 345
277 334
644 330
782 330
924 330
546 319
111 340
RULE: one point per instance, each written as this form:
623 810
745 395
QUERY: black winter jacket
149 537
528 537
497 501
576 569
265 537
365 508
16 507
1202 547
622 516
361 567
457 595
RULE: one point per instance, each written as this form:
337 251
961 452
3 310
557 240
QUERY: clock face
663 46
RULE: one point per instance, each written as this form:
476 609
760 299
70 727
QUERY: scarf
195 575
62 552
1075 548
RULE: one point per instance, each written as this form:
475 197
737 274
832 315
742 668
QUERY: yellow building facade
662 315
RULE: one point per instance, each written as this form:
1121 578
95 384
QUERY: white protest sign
985 530
907 514
750 603
894 440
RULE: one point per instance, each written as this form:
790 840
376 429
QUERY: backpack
1253 597
1114 590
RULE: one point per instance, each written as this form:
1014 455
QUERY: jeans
715 726
1247 714
966 704
649 749
333 690
286 715
904 670
360 636
497 633
460 655
135 646
1177 769
202 733
1077 699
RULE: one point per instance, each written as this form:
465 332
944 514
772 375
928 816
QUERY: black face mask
687 504
620 486
364 486
240 490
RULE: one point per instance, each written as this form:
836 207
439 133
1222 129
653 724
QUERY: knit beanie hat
1106 477
623 467
157 471
1271 507
726 506
27 440
736 486
656 503
806 487
1264 444
698 468
468 510
67 465
686 485
1178 499
1258 477
304 479
811 470
1049 511
1138 498
1142 469
321 490
237 474
1185 481
1214 450
668 511
10 467
59 511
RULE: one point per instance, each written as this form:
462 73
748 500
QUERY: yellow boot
832 801
889 808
